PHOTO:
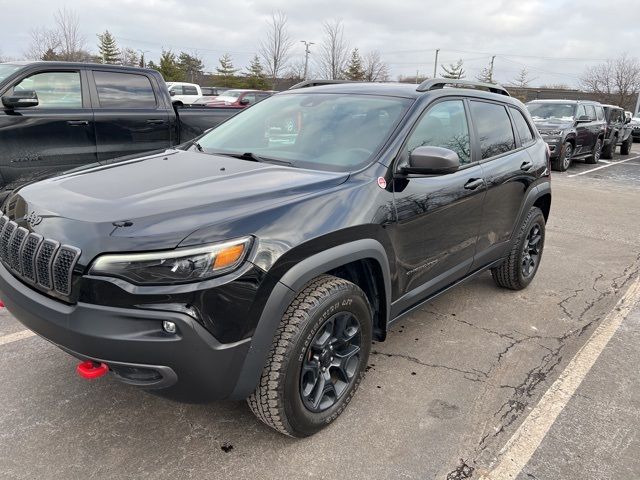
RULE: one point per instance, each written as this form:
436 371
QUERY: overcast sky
555 39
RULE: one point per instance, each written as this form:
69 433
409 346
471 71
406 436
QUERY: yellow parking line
14 337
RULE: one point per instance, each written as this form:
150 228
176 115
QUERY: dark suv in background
572 128
241 265
618 132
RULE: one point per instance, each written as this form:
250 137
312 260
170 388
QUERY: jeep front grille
37 260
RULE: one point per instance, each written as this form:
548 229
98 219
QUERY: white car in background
184 93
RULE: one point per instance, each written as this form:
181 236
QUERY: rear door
503 136
583 132
594 127
129 118
56 135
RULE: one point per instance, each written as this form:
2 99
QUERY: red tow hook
90 370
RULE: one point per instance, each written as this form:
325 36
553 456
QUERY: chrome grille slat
40 261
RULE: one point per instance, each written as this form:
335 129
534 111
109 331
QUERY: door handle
155 122
474 183
526 166
77 123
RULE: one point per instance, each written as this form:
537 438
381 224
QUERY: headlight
551 133
174 266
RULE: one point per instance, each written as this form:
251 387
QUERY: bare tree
276 47
43 41
72 42
334 50
619 79
375 69
295 71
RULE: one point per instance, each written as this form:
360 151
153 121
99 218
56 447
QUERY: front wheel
610 148
625 148
563 161
523 261
317 359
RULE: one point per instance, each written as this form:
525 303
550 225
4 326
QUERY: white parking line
605 166
521 446
14 337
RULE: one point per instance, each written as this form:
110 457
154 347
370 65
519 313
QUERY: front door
56 135
438 217
129 118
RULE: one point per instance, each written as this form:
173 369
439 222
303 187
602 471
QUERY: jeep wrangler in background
618 132
572 128
245 266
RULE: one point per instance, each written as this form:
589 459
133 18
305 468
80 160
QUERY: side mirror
172 93
21 99
432 161
244 101
627 120
583 119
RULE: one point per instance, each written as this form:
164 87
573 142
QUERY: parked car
635 128
572 128
212 91
56 116
618 132
239 98
239 267
184 93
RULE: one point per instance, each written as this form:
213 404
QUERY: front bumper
555 145
132 342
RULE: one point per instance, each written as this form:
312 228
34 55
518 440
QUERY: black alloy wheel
531 251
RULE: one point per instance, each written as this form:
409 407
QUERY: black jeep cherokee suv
618 132
261 261
572 128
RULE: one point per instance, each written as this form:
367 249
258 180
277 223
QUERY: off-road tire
562 162
509 274
609 149
277 400
596 154
625 148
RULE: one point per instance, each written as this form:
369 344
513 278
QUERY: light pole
435 63
142 52
306 56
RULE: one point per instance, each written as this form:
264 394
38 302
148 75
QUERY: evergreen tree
453 71
226 71
485 75
522 80
192 67
50 55
355 68
108 48
169 67
255 76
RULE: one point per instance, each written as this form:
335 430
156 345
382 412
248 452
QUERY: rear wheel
563 161
597 152
610 148
317 360
625 148
523 261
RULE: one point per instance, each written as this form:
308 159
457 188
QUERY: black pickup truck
57 116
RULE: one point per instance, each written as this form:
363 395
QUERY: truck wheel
597 152
609 149
317 359
523 260
625 148
563 161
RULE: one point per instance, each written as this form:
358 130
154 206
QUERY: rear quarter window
124 90
494 128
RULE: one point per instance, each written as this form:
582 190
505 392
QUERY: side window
444 125
522 126
581 111
54 89
600 113
189 90
591 112
251 97
494 128
176 89
124 90
617 115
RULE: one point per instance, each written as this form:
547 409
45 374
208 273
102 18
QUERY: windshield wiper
198 147
254 158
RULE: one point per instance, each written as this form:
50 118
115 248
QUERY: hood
154 202
553 124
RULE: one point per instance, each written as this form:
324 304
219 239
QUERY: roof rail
438 83
316 83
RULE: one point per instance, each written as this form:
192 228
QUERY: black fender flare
286 290
536 192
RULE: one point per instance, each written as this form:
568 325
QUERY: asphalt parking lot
442 396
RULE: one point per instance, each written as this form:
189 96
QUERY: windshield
232 94
323 131
7 69
558 111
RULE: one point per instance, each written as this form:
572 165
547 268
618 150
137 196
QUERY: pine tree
226 70
355 68
522 80
255 76
453 71
108 48
486 75
192 67
169 67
